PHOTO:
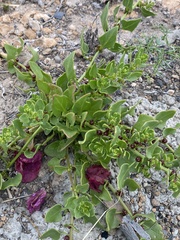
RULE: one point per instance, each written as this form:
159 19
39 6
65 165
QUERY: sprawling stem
25 146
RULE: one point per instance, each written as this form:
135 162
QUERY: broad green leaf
116 107
51 233
13 52
141 121
70 132
81 104
153 229
177 151
36 70
133 76
163 116
122 176
93 71
84 46
69 67
39 105
10 65
111 219
35 55
62 81
116 10
46 77
69 92
1 181
150 150
88 137
93 220
71 118
43 86
54 214
82 188
131 184
54 149
12 182
18 125
130 25
151 124
169 131
60 169
104 18
60 104
146 13
150 216
24 76
108 39
128 5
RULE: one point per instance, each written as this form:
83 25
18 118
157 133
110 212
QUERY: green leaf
128 5
150 150
131 184
24 76
62 81
60 169
122 176
35 55
51 233
93 220
141 121
177 151
133 76
43 86
1 181
81 104
60 104
13 52
71 118
146 13
69 67
150 216
116 10
54 214
169 131
108 39
84 46
82 188
112 220
88 138
36 70
12 182
163 116
104 17
116 107
54 149
130 25
153 229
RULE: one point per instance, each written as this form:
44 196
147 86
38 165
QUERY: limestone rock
49 42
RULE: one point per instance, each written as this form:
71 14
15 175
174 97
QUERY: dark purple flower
29 167
36 200
96 176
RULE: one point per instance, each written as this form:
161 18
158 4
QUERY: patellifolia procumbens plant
84 131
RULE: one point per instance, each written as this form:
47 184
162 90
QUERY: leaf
111 219
93 220
150 150
54 214
83 188
150 216
1 181
133 76
122 176
131 184
60 169
108 39
116 10
146 13
84 46
81 104
116 107
51 233
35 55
153 229
62 81
60 104
12 182
177 151
104 16
130 25
43 86
36 70
69 67
141 121
54 149
169 131
163 116
24 76
88 138
13 52
128 4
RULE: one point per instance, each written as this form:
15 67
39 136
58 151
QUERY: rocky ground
53 28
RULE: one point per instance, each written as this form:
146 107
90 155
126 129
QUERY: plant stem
25 146
120 200
91 63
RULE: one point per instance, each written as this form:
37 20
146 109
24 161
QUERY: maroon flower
36 200
29 167
96 176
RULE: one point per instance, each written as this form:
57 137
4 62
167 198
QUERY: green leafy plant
84 130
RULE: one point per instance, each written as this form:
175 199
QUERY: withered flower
29 167
36 200
96 176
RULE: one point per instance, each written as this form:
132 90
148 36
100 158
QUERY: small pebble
155 202
57 59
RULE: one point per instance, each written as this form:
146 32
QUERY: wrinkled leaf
54 214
